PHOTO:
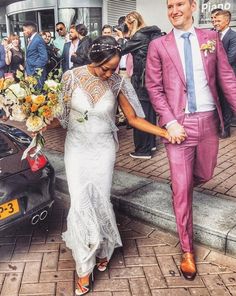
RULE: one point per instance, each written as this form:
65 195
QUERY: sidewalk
223 184
35 261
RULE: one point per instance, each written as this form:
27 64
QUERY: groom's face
180 13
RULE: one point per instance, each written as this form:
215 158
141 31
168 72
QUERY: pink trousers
192 163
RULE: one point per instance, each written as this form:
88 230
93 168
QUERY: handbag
36 160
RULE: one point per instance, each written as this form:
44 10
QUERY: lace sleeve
67 89
124 85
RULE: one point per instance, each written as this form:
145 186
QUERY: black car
23 194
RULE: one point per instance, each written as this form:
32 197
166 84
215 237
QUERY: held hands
176 133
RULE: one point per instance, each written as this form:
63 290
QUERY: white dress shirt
204 98
73 48
222 33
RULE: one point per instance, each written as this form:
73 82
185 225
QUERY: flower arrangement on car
22 100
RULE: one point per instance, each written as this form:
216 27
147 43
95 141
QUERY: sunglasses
59 29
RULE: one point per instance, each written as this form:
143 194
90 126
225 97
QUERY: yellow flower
1 83
52 97
208 47
39 100
31 80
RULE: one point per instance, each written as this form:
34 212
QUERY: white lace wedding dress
90 150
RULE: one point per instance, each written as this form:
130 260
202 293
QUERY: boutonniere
208 47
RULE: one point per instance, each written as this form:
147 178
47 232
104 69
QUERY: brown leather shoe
188 266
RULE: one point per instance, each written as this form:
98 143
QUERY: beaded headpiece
104 47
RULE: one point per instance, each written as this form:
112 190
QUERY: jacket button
185 90
183 109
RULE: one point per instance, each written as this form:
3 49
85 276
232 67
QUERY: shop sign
206 6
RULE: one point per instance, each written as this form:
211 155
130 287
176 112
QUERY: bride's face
105 70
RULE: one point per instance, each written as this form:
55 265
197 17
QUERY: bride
92 93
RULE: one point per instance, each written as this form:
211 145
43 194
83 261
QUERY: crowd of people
186 77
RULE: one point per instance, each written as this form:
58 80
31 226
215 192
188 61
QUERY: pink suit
193 161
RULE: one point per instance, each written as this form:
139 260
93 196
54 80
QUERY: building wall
154 12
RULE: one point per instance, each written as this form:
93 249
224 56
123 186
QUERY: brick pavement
224 181
35 261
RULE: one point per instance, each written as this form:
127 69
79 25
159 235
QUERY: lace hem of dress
91 229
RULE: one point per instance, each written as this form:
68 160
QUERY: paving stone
141 227
57 276
6 252
179 282
37 289
66 265
11 284
167 250
232 290
2 277
149 242
131 234
44 247
139 287
199 292
39 239
111 285
154 277
128 272
168 266
209 268
65 289
170 292
22 244
229 279
130 248
215 285
105 293
7 240
117 260
140 261
222 260
12 267
121 294
25 257
54 239
31 272
146 251
65 253
50 261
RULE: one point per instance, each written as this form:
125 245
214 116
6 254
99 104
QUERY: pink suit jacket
165 79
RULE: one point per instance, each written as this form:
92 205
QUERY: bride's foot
102 265
84 285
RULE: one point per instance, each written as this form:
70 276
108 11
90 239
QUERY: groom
181 74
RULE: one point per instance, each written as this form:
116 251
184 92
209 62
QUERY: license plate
9 208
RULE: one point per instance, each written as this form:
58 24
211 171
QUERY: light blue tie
189 73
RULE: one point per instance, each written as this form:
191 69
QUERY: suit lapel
172 50
202 39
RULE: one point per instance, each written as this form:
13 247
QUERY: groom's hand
176 132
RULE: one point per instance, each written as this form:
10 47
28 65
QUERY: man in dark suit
70 49
36 52
228 37
2 60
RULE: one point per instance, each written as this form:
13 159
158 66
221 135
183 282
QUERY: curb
150 201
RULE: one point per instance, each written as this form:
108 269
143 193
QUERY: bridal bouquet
22 101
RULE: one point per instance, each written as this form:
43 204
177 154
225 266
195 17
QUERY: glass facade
206 6
50 12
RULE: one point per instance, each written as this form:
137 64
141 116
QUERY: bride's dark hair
103 49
